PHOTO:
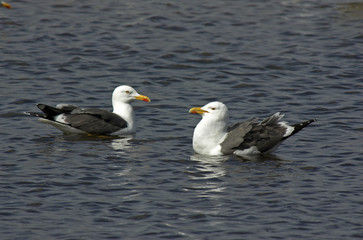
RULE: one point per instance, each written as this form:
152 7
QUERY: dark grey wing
270 133
236 136
67 107
264 137
95 121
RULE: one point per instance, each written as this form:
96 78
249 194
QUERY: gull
213 136
71 119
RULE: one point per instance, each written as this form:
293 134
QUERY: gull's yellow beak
198 110
143 98
4 4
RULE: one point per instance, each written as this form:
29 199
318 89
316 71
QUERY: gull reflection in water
121 143
206 176
209 167
118 143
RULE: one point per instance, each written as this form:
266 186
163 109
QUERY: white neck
125 111
208 135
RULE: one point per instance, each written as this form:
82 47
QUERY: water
303 58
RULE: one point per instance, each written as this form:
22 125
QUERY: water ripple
301 58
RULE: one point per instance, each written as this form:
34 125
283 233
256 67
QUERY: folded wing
93 121
264 136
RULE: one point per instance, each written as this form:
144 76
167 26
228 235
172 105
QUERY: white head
212 129
122 96
126 94
216 111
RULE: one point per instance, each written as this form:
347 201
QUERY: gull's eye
127 92
213 108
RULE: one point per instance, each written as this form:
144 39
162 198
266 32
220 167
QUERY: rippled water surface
302 58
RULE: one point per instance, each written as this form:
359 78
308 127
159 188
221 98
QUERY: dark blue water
302 58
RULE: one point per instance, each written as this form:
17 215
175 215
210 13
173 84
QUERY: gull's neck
208 135
125 111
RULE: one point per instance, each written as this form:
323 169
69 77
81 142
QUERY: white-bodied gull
71 119
213 136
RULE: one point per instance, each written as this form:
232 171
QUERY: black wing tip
300 126
306 123
35 114
38 114
41 106
49 110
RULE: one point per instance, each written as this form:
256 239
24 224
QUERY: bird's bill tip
143 98
7 5
197 110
